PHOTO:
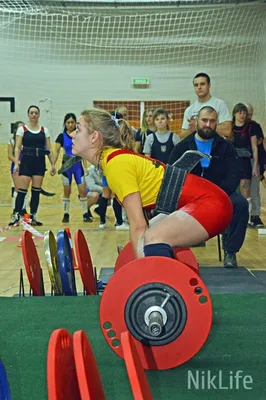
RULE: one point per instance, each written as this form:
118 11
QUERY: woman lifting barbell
204 210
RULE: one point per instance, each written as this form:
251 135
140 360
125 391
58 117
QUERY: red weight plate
137 378
32 264
186 282
89 380
186 256
62 381
183 255
125 256
84 262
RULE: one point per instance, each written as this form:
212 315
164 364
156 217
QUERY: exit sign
140 81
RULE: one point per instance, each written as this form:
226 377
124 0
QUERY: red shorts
207 203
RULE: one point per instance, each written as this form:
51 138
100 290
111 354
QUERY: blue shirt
205 148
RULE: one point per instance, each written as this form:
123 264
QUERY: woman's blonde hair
144 125
115 132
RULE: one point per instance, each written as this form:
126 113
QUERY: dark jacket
223 169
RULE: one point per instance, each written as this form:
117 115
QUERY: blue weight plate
66 265
4 386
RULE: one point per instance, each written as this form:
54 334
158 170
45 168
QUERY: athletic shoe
65 218
102 225
87 218
34 221
122 227
230 260
250 226
256 221
15 220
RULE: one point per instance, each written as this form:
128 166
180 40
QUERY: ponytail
116 132
126 133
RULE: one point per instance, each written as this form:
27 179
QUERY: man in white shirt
202 84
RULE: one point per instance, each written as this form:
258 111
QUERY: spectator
255 182
223 170
159 144
64 141
202 84
245 141
147 127
36 143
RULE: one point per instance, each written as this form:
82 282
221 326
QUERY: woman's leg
35 198
24 182
118 212
84 202
66 202
103 201
245 185
93 198
178 229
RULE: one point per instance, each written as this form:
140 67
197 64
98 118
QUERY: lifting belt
174 179
36 152
68 162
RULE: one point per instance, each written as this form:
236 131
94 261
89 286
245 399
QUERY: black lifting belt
36 152
174 179
68 162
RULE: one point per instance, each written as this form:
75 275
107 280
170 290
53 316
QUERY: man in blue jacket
223 170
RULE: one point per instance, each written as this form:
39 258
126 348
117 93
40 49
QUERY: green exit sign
140 81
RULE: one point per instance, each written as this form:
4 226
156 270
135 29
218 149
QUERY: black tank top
161 151
34 140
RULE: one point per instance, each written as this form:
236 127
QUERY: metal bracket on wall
10 100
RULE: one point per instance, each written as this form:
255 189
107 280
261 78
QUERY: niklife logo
219 380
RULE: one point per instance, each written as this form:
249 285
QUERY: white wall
74 87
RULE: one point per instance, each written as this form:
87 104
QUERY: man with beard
223 170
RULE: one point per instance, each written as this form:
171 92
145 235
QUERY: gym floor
103 246
236 344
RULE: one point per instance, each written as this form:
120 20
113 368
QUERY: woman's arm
138 225
57 152
148 145
18 147
51 156
254 147
10 150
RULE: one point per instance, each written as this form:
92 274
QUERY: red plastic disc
89 380
183 255
84 262
137 377
125 256
62 381
32 264
185 282
186 256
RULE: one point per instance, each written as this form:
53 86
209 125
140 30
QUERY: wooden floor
102 245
